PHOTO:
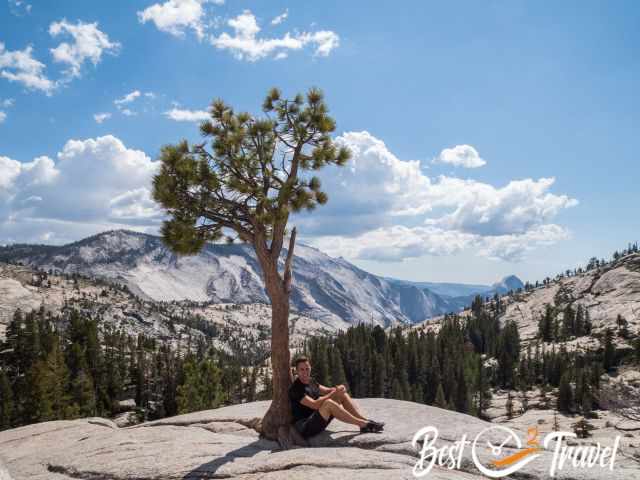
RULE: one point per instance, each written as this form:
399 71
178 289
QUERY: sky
488 138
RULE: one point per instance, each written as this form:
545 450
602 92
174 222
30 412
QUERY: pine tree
320 362
243 186
397 391
482 388
609 355
6 402
252 385
525 401
50 387
189 395
440 400
210 384
509 405
83 394
565 395
568 322
545 325
508 354
379 376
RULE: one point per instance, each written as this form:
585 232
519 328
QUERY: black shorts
312 425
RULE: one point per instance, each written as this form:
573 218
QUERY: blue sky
491 138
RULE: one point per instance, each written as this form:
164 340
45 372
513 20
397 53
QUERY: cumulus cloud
176 16
3 116
88 43
97 182
101 117
280 18
245 44
20 66
460 156
381 207
486 210
180 115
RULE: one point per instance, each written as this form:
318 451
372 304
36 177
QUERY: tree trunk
277 421
279 413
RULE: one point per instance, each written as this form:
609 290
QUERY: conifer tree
189 395
83 394
6 402
565 395
210 384
440 400
338 376
379 376
483 391
609 354
509 405
50 377
245 187
508 354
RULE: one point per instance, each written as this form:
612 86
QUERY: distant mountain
510 282
456 296
444 289
325 288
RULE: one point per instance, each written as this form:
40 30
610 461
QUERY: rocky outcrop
604 292
221 443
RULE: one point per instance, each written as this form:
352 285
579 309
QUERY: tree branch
287 264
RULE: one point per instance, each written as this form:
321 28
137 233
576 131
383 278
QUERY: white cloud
380 207
386 208
244 44
20 66
180 115
280 18
3 116
7 102
460 156
484 209
19 8
101 117
128 98
89 43
176 16
112 181
396 243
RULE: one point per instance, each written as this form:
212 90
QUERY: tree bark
279 413
277 421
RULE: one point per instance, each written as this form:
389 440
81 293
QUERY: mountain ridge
325 288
